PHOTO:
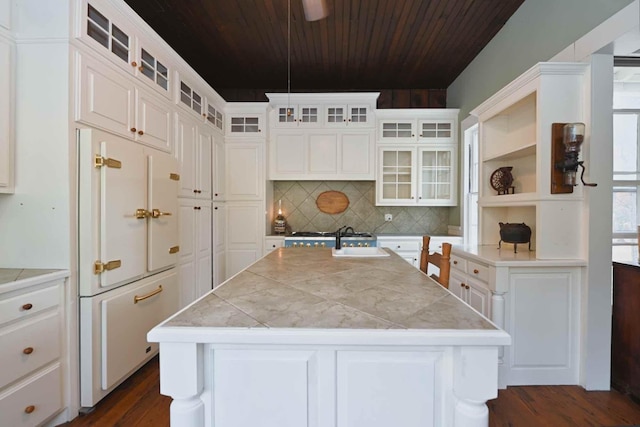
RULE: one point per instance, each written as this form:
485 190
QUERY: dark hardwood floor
138 403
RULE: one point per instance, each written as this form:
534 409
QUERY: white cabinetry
5 14
417 168
109 34
244 170
110 101
196 258
194 145
515 130
410 247
271 243
6 115
469 281
329 142
535 295
219 223
33 387
245 234
245 119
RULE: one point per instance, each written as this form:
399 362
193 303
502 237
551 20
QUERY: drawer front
32 402
478 271
125 324
458 263
401 245
28 346
29 303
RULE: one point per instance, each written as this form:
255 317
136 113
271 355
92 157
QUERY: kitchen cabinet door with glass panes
397 169
437 176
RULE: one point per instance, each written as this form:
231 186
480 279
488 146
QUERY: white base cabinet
34 379
536 301
195 265
410 247
245 234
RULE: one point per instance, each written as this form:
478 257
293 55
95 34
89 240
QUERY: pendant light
289 112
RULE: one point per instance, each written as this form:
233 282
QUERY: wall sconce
566 139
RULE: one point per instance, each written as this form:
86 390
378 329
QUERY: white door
288 155
122 192
163 207
204 263
187 265
323 154
153 121
106 97
356 155
204 160
185 152
245 176
218 168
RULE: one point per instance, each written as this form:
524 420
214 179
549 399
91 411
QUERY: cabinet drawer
400 245
478 270
28 346
125 324
29 303
30 403
458 263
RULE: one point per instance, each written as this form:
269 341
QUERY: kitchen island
301 338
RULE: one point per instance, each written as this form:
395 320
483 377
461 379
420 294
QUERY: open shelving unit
515 130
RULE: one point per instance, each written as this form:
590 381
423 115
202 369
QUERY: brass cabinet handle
133 129
141 68
455 262
157 214
137 299
27 306
197 208
134 64
462 285
29 409
141 213
466 286
475 271
140 132
28 350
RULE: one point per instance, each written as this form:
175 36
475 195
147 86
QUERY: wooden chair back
442 261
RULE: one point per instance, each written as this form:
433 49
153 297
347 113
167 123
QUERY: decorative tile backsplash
300 210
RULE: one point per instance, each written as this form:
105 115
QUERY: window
626 163
470 209
107 34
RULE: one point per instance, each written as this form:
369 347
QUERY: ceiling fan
315 10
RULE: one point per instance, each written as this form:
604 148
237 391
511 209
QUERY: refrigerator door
112 206
163 236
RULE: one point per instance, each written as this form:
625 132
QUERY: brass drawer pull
475 271
137 298
28 350
455 262
466 286
27 306
29 409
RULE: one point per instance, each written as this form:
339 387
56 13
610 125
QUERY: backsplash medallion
300 210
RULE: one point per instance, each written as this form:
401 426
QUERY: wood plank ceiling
240 45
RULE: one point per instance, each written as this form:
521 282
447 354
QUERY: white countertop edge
473 252
32 281
320 336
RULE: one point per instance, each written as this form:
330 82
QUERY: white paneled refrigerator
128 248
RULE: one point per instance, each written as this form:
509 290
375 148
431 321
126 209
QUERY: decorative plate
501 179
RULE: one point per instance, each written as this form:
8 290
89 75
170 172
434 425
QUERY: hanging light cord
289 58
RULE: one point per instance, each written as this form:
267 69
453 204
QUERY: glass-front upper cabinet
348 115
397 168
119 44
190 97
297 115
436 180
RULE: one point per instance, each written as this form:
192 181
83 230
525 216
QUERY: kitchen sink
359 252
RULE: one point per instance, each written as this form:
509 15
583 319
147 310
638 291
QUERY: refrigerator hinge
99 267
105 161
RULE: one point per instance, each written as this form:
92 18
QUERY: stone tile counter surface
298 288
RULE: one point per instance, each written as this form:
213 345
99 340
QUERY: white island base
366 370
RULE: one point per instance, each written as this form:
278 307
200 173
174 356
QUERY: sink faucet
338 235
346 230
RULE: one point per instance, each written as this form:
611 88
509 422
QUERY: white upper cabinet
245 119
214 117
194 153
110 101
191 98
112 37
417 157
323 137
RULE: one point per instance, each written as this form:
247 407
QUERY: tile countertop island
301 338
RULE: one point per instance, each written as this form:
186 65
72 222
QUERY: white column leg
497 317
181 377
471 414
